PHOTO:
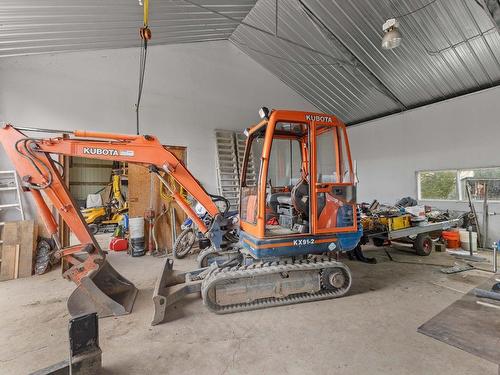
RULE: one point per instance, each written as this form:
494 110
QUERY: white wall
189 91
458 133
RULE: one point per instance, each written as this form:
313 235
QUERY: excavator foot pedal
106 292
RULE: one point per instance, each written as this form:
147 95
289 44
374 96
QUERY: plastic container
118 244
125 222
464 239
136 227
452 239
137 247
136 230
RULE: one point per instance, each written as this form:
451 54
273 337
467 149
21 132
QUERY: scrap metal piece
85 353
457 268
486 294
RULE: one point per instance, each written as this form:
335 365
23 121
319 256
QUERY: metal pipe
40 130
92 134
470 240
495 261
485 216
173 227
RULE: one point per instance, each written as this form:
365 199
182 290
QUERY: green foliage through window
451 184
438 185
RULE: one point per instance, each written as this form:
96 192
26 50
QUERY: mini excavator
297 212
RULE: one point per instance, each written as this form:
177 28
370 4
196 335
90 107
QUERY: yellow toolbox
395 223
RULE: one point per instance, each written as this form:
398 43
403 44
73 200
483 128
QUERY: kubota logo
318 118
100 151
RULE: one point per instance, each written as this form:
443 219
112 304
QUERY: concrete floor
370 331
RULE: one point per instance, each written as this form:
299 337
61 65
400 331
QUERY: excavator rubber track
249 283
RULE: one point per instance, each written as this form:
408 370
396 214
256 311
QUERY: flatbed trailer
419 235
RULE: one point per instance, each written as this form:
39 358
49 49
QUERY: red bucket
452 239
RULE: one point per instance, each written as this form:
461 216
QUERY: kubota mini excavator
298 211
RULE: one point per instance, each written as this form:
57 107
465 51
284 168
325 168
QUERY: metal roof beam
337 43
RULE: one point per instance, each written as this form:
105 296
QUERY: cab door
333 202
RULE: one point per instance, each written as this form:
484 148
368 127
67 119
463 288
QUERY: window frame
462 195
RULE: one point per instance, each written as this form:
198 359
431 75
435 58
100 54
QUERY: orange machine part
312 119
143 150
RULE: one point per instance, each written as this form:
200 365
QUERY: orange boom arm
38 171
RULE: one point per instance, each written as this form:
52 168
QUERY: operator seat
275 199
300 197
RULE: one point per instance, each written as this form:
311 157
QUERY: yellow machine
107 217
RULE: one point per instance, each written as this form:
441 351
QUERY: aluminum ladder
228 179
9 183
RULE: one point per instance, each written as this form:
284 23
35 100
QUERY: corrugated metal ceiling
40 26
328 51
450 47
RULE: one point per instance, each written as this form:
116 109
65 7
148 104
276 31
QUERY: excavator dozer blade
105 292
171 287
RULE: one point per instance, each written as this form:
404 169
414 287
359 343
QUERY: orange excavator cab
310 194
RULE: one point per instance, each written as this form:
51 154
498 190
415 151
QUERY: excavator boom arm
142 150
100 287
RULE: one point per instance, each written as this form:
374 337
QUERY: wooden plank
27 245
7 268
23 234
16 262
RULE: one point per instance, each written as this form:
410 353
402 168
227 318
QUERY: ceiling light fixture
392 37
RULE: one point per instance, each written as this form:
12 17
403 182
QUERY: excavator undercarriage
226 289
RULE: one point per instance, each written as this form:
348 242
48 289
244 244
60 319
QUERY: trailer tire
423 244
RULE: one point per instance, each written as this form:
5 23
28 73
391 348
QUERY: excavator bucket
171 287
105 292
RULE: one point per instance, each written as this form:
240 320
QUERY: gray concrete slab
370 331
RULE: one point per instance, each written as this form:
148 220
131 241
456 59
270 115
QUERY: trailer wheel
423 244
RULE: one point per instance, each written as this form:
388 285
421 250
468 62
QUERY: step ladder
10 189
228 177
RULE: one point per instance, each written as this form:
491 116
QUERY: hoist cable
145 34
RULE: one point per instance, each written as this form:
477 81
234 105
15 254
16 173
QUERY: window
251 172
285 163
326 158
438 185
332 157
452 184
